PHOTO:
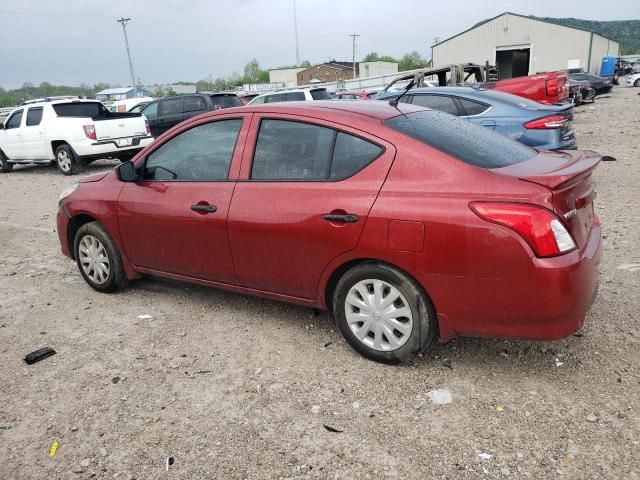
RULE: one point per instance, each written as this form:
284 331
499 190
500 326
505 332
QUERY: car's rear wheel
637 83
67 160
383 313
5 166
98 258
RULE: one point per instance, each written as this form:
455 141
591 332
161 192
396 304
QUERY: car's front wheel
98 258
383 313
67 160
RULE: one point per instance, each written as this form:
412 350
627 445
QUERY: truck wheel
5 166
383 313
67 161
98 258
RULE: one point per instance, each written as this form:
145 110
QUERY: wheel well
338 272
56 143
74 225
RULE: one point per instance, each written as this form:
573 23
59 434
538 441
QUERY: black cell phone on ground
38 355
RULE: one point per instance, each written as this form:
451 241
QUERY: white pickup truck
70 133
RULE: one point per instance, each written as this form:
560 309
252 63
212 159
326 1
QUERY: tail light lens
146 124
90 131
547 123
552 87
539 227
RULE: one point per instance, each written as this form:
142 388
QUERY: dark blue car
545 127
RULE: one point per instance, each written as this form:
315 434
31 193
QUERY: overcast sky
75 41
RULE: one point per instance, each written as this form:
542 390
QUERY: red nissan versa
409 224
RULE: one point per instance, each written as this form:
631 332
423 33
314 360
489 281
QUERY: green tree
412 61
371 57
305 64
252 71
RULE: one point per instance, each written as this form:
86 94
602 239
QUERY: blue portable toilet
608 66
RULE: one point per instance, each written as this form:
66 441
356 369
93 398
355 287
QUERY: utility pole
295 26
354 36
123 21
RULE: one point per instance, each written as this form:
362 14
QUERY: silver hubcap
64 160
94 259
378 315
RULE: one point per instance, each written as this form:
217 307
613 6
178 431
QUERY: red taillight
90 131
552 87
146 124
547 123
539 227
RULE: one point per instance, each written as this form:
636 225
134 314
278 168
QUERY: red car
409 224
548 87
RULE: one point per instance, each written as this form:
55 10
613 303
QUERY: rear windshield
80 109
461 139
226 101
320 94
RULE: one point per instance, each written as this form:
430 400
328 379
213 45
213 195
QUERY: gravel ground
238 387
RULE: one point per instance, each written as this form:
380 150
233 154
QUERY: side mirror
127 172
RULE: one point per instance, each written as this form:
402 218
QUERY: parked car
168 112
138 108
545 127
633 80
548 87
587 93
128 104
246 97
348 95
70 133
294 95
407 223
601 85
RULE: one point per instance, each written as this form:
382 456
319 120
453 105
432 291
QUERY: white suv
294 95
70 132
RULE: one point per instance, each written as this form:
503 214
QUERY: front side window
34 116
14 121
296 151
258 101
201 154
171 106
436 102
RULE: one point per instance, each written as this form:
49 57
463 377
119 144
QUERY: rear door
170 113
33 136
304 194
174 219
12 144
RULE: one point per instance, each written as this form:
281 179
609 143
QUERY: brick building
326 72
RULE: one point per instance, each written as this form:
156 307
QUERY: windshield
80 109
461 139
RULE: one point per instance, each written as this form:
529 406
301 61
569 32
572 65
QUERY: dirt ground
238 387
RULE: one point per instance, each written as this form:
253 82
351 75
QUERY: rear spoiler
583 162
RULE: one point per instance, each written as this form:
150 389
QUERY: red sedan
409 224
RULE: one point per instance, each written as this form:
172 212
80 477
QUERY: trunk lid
569 177
120 127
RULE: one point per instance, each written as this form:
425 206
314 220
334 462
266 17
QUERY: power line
354 36
123 21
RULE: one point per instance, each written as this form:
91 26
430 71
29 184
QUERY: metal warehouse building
520 45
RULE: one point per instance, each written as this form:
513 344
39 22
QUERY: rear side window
194 104
171 106
14 121
226 101
200 154
297 151
80 109
34 116
461 139
470 108
436 102
320 94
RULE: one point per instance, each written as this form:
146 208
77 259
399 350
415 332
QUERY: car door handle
340 218
204 208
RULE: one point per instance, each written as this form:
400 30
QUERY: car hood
96 177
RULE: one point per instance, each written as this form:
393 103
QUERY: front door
12 144
174 219
33 136
305 192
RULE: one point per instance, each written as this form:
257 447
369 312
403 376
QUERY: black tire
637 83
116 278
423 330
67 160
5 166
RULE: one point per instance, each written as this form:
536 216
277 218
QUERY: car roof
58 102
327 109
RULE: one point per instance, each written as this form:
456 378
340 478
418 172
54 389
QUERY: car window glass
34 116
151 111
14 121
170 106
436 102
295 97
320 94
288 150
351 154
278 97
200 154
462 139
257 100
226 101
194 104
80 109
470 107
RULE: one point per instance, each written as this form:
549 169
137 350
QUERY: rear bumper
548 301
109 148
